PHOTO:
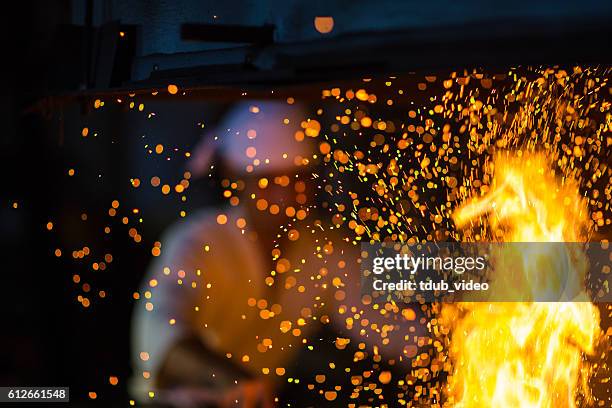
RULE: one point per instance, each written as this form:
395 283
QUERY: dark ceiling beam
493 44
227 33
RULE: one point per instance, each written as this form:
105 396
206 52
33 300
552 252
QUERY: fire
524 354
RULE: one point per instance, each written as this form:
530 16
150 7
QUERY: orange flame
524 354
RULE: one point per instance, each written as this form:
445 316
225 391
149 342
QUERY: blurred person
208 271
228 281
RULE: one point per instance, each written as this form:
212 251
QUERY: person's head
265 147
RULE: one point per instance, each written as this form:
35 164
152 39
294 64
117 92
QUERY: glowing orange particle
408 314
283 265
366 122
324 25
172 89
241 223
251 152
324 148
221 219
293 235
261 204
362 95
262 183
290 211
385 377
330 395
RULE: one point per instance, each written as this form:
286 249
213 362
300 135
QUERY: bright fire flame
524 354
